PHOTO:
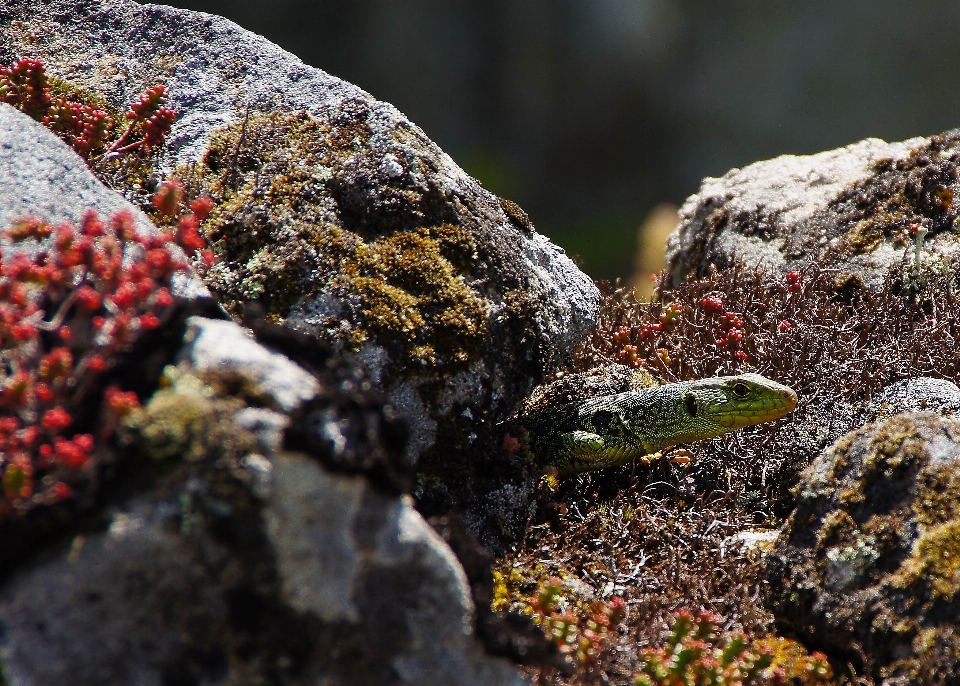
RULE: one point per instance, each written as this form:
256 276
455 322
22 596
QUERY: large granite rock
857 209
340 216
232 535
867 565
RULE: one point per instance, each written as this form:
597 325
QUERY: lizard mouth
756 411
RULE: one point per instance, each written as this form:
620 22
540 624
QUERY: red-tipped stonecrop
582 636
24 85
149 115
628 337
794 282
698 652
72 300
86 128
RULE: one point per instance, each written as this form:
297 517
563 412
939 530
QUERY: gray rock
849 209
51 181
218 556
124 606
336 584
819 423
349 556
915 395
231 570
866 566
224 348
47 180
486 310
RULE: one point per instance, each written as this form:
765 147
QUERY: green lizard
611 430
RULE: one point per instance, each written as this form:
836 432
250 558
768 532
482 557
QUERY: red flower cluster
729 327
625 336
583 638
70 302
86 128
24 85
712 304
83 127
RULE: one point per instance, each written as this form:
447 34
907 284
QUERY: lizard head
732 402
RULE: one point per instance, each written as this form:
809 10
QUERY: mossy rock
282 242
345 221
868 565
863 210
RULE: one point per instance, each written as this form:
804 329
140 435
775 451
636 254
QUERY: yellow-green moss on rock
188 419
411 292
278 230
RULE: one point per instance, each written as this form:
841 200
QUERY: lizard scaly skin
611 430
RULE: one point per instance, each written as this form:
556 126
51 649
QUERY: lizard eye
740 390
690 402
601 420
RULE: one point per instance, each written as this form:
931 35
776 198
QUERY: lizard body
611 430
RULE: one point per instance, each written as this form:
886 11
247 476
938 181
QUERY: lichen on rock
287 236
868 564
864 210
190 420
915 190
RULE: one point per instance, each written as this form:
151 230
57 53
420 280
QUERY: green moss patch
938 497
410 293
935 562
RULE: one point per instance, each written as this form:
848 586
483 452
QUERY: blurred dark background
597 115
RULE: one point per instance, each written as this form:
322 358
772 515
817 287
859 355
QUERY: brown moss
655 554
886 567
918 189
517 215
264 175
936 655
886 531
60 88
893 446
837 526
938 495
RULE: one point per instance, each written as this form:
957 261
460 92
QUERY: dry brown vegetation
843 344
660 536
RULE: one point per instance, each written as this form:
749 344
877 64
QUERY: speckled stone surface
850 209
384 181
868 565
